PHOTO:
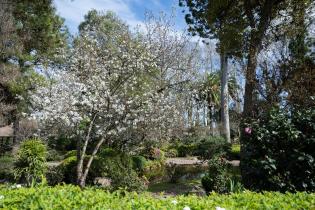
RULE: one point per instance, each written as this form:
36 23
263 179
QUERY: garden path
195 161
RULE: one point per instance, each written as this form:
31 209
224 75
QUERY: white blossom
186 208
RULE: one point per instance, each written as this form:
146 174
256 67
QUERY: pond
184 179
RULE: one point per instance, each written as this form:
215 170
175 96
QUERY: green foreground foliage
71 197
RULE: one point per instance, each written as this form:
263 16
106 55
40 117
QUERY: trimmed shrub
72 197
119 168
211 147
217 177
54 175
278 151
30 165
53 155
171 153
185 150
68 169
108 164
205 148
139 163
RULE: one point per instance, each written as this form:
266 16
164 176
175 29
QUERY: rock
234 163
103 181
197 190
6 131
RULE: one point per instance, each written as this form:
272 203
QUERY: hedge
72 197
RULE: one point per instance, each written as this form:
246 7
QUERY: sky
130 11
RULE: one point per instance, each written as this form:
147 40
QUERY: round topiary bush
68 168
54 175
119 168
171 153
30 165
139 163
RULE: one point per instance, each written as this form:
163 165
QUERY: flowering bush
71 197
278 152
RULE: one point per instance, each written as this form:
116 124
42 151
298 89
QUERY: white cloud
74 11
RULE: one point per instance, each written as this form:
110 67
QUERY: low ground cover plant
72 197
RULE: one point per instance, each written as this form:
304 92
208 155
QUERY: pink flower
248 130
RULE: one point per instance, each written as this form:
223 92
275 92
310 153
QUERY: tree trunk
79 164
250 81
81 155
225 97
197 116
82 179
205 116
212 119
255 44
16 128
190 114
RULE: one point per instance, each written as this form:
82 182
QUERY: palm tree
209 91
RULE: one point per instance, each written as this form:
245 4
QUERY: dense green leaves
70 197
41 30
30 165
279 152
216 178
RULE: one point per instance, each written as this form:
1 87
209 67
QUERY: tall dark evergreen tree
218 20
31 32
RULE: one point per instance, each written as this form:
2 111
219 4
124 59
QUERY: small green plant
139 163
234 154
234 186
71 153
30 165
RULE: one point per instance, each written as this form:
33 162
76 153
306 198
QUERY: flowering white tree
107 88
178 61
